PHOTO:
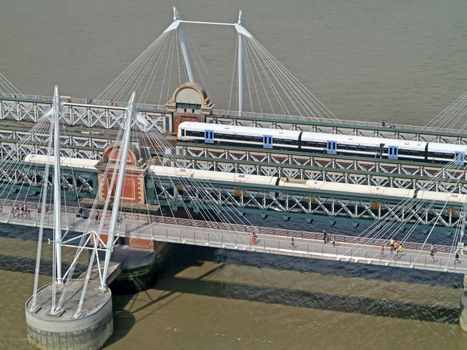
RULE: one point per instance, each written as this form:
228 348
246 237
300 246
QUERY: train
304 141
70 162
273 182
312 186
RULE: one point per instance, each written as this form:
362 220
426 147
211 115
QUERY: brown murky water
368 60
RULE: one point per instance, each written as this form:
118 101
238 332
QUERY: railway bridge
138 203
102 173
90 127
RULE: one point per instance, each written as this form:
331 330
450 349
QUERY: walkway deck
272 241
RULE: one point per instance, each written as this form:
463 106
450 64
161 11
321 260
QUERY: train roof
241 130
328 186
363 140
442 197
208 175
446 147
64 161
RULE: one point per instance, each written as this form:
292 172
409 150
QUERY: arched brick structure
133 184
189 102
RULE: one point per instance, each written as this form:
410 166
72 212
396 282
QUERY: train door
331 147
459 158
208 136
267 141
393 152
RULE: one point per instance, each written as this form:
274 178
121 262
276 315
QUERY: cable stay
174 58
8 89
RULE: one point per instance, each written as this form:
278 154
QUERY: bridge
109 194
307 244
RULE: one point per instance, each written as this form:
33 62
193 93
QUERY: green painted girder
66 172
310 219
283 190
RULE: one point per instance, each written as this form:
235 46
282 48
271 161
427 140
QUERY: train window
194 133
459 158
208 136
285 141
267 141
393 152
331 147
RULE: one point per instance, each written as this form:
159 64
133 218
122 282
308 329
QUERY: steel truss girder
169 191
43 138
90 115
31 178
81 114
16 151
321 169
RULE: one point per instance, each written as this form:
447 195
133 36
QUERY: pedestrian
333 240
253 238
325 236
292 242
400 249
432 251
383 124
381 252
456 258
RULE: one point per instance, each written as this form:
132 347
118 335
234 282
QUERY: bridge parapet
109 114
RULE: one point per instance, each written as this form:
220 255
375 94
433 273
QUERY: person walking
456 258
400 249
253 238
292 242
325 236
432 251
333 240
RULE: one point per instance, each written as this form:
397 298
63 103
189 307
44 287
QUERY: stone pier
66 330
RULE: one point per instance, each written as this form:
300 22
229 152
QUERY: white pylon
123 152
183 46
240 66
57 185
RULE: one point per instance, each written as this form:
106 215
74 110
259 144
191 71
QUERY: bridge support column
90 330
463 315
140 262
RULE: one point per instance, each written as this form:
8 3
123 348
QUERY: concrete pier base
90 330
139 266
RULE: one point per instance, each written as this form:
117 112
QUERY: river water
401 61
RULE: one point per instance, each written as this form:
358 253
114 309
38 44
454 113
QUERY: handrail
279 118
259 230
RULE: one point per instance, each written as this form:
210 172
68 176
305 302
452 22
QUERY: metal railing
259 230
222 113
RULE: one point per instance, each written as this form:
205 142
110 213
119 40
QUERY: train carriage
238 135
360 146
